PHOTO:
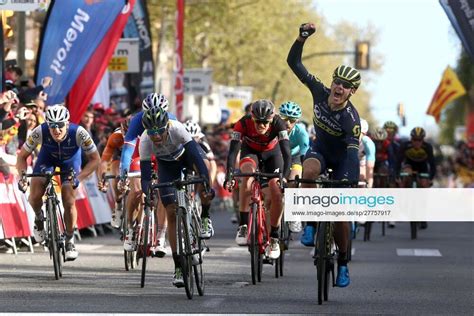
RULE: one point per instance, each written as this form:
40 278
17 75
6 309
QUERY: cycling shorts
45 163
170 171
337 167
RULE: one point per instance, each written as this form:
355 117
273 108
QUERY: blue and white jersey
135 129
77 138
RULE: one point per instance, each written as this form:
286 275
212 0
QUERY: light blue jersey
299 140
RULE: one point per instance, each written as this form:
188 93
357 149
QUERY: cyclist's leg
342 231
161 229
170 171
37 189
296 170
207 229
314 163
248 163
117 211
38 186
68 197
273 161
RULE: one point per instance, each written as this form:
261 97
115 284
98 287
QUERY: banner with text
138 26
73 30
402 205
126 56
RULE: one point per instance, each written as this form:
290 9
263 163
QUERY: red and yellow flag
449 89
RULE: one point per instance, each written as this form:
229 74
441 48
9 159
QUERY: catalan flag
449 89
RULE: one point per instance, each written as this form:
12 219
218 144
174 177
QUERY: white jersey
171 149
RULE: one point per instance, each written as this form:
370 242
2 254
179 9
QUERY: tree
246 44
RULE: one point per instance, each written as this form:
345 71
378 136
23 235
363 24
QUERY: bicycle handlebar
118 177
258 174
415 173
49 174
181 183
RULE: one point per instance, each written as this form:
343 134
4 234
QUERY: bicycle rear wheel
144 245
320 261
254 251
54 238
185 252
197 247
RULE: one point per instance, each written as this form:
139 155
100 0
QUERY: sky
417 43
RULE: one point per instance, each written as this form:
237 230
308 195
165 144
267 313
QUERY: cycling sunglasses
264 122
158 131
289 119
57 125
417 139
345 84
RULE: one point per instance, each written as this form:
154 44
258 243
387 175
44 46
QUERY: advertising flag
179 67
2 60
86 84
449 89
138 26
73 30
461 15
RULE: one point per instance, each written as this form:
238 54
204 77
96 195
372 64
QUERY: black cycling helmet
263 109
155 118
418 132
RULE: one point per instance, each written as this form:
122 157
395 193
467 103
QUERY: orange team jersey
114 146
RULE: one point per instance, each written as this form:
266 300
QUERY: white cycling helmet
155 100
364 126
193 128
57 113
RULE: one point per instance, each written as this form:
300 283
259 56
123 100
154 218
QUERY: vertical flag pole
178 84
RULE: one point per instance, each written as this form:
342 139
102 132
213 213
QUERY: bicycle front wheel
185 252
320 260
198 249
54 238
254 251
144 246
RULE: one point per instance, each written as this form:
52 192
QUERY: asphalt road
389 275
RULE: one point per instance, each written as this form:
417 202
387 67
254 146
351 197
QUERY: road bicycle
411 179
325 250
54 225
190 245
130 257
258 236
381 180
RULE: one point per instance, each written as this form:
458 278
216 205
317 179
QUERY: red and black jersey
246 131
381 150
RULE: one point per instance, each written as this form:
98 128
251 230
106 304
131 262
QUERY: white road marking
418 252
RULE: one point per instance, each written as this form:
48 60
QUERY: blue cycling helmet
290 109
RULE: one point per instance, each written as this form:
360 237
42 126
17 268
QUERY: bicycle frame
187 236
259 216
257 234
54 225
324 253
